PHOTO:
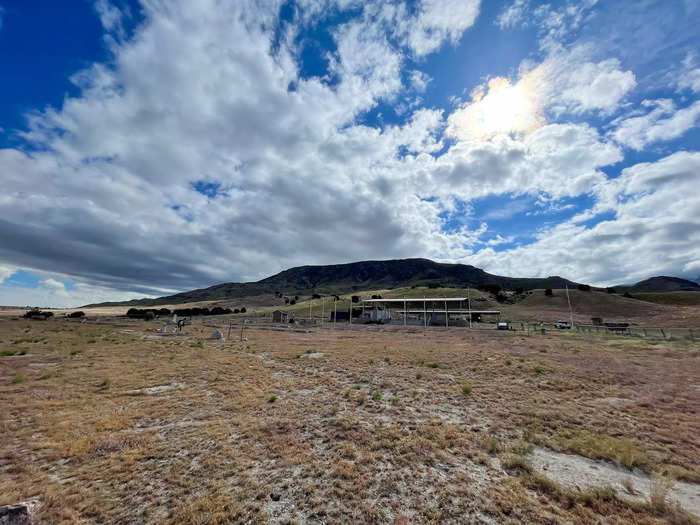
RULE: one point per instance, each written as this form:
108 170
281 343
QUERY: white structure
432 310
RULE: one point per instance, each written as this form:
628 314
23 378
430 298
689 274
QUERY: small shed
279 316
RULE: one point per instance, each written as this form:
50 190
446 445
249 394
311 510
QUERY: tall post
571 312
425 315
350 311
310 301
469 307
323 310
405 313
446 324
335 312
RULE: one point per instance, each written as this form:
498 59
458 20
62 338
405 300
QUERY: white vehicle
562 325
503 326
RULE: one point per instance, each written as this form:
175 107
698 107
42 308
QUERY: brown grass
140 428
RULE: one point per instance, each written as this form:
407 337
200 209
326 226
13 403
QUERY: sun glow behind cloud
500 108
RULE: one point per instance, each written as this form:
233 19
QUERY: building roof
416 300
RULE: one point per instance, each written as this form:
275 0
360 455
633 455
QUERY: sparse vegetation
346 425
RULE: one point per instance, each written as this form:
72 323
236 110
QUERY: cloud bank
203 152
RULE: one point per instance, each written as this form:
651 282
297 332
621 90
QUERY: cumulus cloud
662 122
439 21
664 239
200 154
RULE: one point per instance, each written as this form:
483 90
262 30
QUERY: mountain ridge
350 277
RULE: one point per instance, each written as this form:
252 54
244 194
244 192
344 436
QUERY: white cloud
514 15
689 76
202 92
419 80
663 238
590 86
662 122
5 272
440 20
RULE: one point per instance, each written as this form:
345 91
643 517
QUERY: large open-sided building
428 311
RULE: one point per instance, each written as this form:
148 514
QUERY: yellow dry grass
113 423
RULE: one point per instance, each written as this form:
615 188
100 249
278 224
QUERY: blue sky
148 147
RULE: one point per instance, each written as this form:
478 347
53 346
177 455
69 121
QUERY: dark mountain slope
364 275
664 284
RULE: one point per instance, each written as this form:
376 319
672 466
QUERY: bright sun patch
499 108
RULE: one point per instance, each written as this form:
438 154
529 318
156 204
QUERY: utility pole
405 313
323 311
425 315
335 312
571 312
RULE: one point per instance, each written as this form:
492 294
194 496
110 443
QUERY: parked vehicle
562 325
502 325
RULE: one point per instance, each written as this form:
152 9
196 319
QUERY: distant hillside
346 278
664 284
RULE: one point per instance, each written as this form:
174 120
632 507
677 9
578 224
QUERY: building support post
446 323
425 315
469 306
404 311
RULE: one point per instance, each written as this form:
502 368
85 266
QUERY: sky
154 146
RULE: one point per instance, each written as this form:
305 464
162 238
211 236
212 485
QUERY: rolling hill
346 278
664 284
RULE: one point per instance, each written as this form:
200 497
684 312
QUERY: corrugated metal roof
415 300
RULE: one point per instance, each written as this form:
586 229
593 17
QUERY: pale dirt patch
582 473
157 389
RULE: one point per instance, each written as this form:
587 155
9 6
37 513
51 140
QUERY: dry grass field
113 423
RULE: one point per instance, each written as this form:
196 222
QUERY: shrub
18 378
355 298
377 396
272 399
548 292
466 389
243 310
500 297
236 311
419 376
315 296
105 384
659 487
610 290
76 315
37 314
519 291
376 296
434 365
584 287
491 288
293 301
